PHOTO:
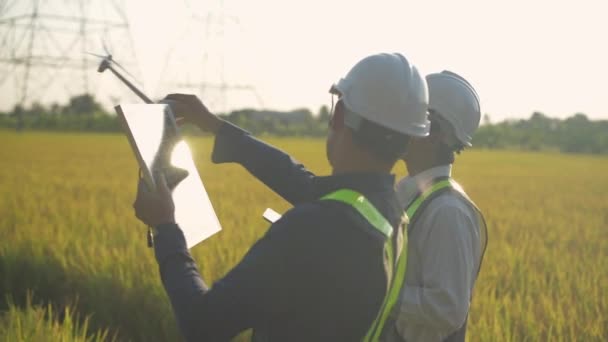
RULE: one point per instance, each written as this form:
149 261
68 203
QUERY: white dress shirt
443 258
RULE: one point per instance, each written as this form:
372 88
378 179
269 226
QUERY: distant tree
486 119
16 110
580 118
576 134
36 110
323 114
84 104
55 108
539 119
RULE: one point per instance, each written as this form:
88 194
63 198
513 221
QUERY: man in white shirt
447 233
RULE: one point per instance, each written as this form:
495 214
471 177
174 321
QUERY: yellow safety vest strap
375 332
364 207
377 220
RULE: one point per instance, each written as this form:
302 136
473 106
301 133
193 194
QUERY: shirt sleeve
246 296
448 271
284 175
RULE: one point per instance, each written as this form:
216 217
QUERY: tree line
575 134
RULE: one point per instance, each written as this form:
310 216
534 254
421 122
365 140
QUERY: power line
211 82
43 44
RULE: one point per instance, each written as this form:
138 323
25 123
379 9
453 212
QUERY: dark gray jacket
318 274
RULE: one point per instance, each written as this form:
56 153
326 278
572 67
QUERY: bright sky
521 56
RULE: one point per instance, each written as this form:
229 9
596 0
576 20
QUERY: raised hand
191 109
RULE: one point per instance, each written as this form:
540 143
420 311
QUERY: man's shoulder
449 204
451 200
301 218
317 212
450 211
306 211
324 217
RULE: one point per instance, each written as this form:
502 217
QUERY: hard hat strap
353 120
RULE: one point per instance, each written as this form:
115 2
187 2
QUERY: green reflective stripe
377 220
393 293
364 207
411 210
390 254
375 332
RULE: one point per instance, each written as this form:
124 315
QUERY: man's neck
361 164
414 168
351 158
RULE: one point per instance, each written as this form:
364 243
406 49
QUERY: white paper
271 215
151 126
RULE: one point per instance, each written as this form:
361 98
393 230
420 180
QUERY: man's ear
337 119
435 136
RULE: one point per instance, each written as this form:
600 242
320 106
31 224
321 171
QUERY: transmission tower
44 46
201 56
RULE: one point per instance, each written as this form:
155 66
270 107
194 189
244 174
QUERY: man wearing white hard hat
447 232
323 270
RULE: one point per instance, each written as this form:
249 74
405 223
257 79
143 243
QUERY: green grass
68 234
33 323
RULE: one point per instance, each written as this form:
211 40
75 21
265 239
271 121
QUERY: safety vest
379 222
397 261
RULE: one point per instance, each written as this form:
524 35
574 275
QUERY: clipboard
159 148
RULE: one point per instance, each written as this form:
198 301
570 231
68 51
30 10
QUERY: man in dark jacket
321 272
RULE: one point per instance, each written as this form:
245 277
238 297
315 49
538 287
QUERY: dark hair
386 144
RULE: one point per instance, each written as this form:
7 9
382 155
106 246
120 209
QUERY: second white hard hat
388 90
454 100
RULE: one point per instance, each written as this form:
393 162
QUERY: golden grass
68 233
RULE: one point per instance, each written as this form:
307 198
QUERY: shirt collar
364 183
408 187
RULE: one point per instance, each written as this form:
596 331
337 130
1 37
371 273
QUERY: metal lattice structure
44 46
207 27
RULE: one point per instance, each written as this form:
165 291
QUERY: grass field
68 238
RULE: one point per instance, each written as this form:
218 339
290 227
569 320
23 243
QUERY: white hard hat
454 100
388 90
